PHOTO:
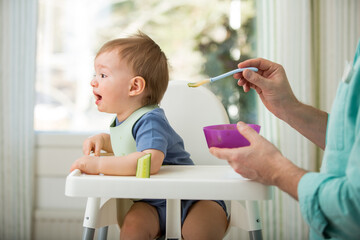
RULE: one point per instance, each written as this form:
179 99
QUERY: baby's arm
115 165
97 143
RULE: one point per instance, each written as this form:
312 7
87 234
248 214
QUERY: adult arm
330 204
330 201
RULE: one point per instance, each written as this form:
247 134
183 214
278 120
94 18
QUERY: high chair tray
171 182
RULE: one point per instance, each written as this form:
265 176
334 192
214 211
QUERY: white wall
57 217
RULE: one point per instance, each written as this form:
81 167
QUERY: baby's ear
137 86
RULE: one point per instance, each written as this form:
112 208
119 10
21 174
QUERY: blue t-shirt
153 131
330 200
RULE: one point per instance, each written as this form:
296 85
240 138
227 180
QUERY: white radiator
63 225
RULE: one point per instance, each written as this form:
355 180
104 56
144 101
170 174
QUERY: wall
57 216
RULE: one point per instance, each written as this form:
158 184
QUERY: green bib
122 140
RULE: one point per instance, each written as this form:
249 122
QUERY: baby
130 81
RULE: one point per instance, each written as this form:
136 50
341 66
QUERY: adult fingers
260 63
249 133
234 161
241 81
237 75
255 79
247 87
223 153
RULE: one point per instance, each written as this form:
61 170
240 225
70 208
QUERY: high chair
188 111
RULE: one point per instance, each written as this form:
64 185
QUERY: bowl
226 136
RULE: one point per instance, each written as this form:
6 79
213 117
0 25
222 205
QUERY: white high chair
188 111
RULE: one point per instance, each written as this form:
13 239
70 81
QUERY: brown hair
146 59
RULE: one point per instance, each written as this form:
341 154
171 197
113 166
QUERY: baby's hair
146 59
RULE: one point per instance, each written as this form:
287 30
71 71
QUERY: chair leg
90 218
173 219
255 235
88 233
253 212
103 232
247 218
91 212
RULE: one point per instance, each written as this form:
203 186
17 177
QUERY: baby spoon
213 79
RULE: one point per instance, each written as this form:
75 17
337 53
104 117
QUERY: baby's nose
93 82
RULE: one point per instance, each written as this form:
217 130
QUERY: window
201 38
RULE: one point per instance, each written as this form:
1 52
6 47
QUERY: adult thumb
254 78
249 133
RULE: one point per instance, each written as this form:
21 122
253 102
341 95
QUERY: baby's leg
206 220
141 222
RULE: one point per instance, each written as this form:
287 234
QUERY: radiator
63 225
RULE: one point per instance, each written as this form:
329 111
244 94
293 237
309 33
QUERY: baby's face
111 83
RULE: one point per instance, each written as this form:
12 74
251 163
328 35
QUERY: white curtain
338 32
311 39
18 20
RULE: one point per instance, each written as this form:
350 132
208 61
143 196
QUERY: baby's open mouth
97 98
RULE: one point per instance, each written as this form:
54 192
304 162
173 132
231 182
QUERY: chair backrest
188 111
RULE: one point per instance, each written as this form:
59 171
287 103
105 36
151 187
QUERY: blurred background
47 50
200 38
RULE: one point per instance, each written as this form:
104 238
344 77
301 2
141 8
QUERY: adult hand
270 82
261 161
272 85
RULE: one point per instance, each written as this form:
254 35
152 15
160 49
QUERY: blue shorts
160 205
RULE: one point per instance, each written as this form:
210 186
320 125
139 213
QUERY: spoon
213 79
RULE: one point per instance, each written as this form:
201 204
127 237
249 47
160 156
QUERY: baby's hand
93 144
87 164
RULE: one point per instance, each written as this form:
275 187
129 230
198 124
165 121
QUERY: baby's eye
103 75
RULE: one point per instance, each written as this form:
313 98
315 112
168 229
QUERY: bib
122 140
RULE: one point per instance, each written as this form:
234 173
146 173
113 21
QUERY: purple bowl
226 136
